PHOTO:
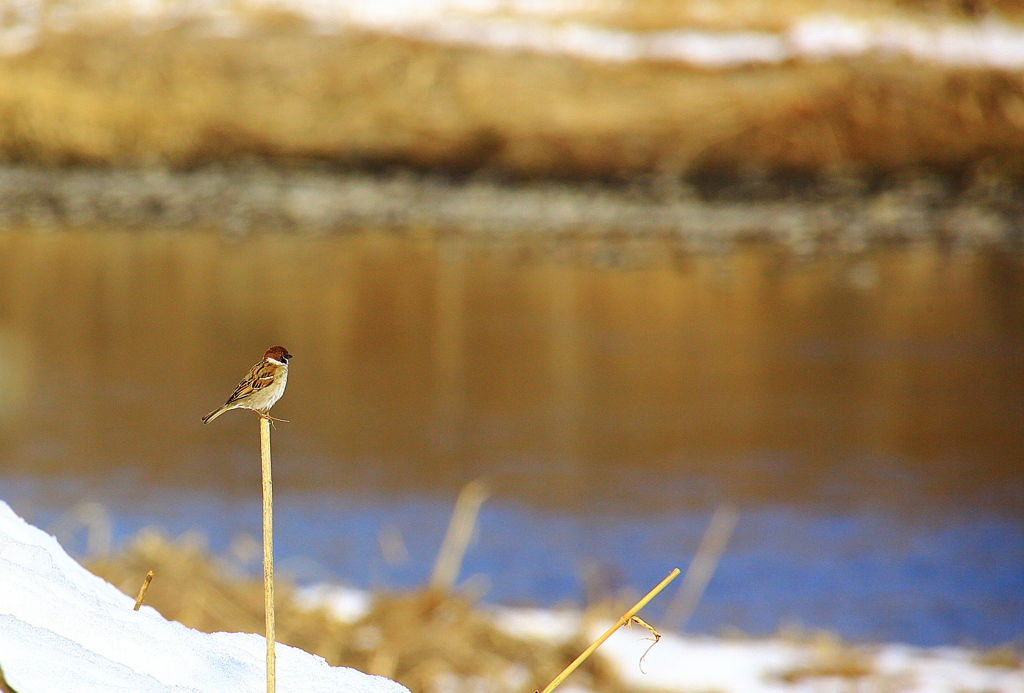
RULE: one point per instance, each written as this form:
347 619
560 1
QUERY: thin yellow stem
626 617
268 555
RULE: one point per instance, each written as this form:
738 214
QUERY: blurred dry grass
181 98
829 657
1006 656
427 640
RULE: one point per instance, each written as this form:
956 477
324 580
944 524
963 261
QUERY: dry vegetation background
429 640
107 94
441 641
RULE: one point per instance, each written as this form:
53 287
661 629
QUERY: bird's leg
268 417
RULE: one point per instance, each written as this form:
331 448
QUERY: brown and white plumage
261 388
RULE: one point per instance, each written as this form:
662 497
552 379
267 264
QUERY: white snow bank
64 629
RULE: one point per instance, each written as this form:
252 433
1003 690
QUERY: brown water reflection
569 372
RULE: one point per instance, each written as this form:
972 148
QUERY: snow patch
63 628
346 604
690 663
545 625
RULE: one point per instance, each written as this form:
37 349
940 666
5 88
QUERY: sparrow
261 388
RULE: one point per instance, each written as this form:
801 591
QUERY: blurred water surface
862 411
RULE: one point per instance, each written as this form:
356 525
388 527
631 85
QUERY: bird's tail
215 413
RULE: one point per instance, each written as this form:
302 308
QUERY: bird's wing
261 375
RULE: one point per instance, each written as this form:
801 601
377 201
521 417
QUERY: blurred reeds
435 641
429 639
109 94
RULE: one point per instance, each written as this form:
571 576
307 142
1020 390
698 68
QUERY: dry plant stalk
268 554
456 539
623 620
142 590
702 567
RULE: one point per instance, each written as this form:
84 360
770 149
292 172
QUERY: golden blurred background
626 261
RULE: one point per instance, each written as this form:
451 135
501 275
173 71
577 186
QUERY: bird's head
278 354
